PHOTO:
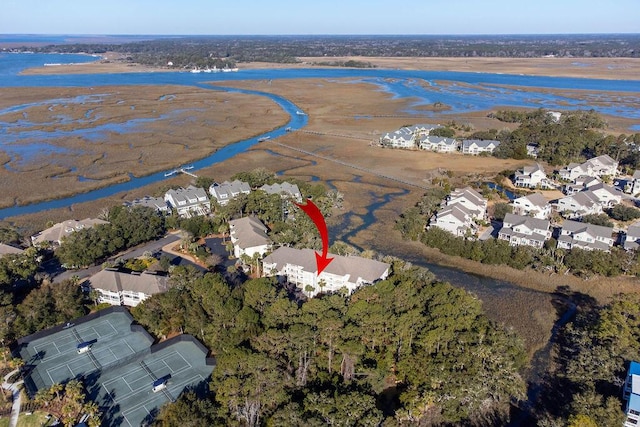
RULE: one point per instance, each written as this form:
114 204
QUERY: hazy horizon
332 17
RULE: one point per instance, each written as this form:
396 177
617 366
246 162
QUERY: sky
279 17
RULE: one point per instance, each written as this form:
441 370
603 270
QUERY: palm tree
322 284
42 397
309 289
223 228
56 389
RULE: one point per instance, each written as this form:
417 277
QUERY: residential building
406 136
423 129
470 199
534 205
227 191
533 150
439 144
531 177
478 146
156 203
120 288
347 273
401 138
585 236
579 204
524 230
631 239
188 202
603 166
249 237
598 166
285 190
8 249
631 395
606 195
456 219
59 231
580 183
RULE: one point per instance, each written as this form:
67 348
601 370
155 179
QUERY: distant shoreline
590 68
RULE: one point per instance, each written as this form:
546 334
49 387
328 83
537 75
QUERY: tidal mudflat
63 141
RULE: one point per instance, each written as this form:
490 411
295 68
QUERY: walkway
15 390
351 165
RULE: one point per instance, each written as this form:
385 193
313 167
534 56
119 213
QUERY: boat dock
184 170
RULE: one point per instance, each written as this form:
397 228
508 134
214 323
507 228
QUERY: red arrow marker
314 213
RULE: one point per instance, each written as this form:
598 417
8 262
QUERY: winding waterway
463 92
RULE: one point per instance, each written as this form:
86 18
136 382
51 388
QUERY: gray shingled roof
458 210
484 143
531 223
367 269
118 281
157 203
63 229
228 190
536 199
248 232
190 197
578 227
8 249
285 188
470 194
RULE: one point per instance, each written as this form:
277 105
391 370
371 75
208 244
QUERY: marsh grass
191 125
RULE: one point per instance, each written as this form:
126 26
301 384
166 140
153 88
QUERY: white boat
207 70
264 138
195 70
300 113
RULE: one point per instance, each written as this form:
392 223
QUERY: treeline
24 313
405 350
593 352
127 227
576 137
287 49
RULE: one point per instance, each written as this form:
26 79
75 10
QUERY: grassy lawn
4 421
37 419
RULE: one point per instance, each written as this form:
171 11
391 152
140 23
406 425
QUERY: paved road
153 247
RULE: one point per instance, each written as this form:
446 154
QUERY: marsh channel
475 92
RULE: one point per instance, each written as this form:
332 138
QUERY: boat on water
300 113
186 168
288 129
170 173
264 138
196 70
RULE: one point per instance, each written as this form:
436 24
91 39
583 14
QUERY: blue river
462 92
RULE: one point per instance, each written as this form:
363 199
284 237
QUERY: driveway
153 247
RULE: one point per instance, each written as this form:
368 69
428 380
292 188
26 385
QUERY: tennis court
121 361
129 388
54 356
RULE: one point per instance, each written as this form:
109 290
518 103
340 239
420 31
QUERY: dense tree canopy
127 227
593 354
407 349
